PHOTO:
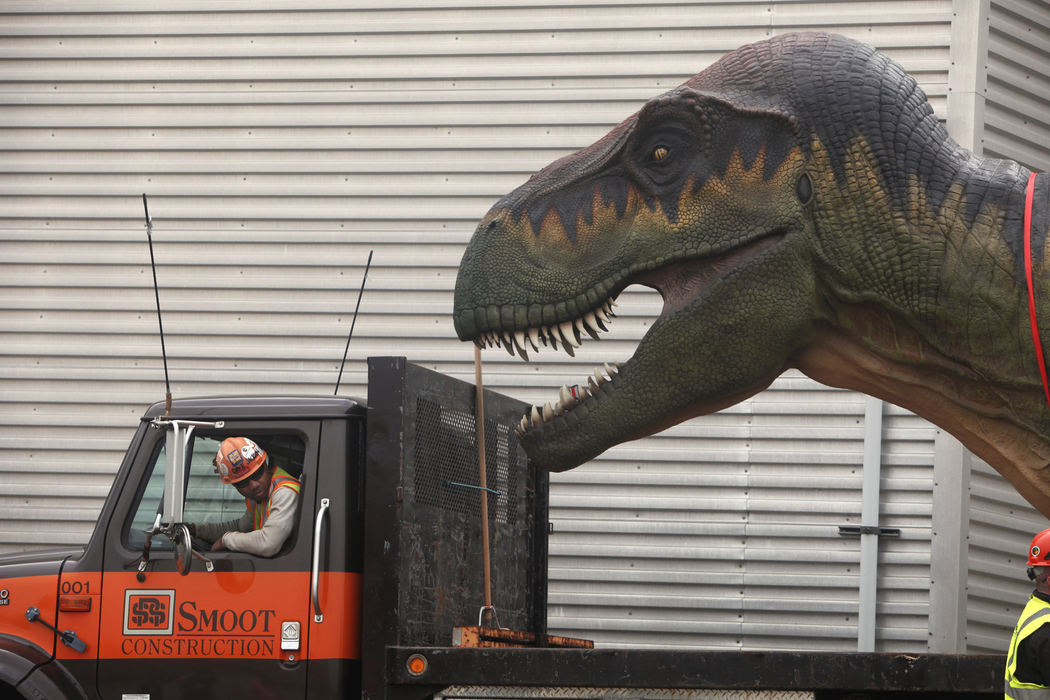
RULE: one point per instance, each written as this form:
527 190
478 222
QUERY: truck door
239 630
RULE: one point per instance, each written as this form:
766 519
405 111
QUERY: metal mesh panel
446 463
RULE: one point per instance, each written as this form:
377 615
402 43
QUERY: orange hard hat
237 459
1039 550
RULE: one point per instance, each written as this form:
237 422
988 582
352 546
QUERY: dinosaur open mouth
569 335
677 281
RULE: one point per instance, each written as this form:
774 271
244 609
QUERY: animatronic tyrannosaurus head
703 195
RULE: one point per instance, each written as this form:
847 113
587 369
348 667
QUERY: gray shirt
239 536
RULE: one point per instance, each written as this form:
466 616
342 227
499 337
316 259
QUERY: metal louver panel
1018 96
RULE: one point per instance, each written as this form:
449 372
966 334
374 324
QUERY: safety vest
1034 615
281 479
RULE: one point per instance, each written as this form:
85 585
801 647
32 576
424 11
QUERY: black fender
32 673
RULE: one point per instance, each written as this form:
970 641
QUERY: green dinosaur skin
797 204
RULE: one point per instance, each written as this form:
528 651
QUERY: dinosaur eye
804 189
659 153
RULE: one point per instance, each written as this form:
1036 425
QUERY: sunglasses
257 475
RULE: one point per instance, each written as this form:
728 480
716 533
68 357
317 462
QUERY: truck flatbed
827 674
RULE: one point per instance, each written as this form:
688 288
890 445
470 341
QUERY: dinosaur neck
947 337
946 394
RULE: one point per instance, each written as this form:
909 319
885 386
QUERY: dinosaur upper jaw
620 402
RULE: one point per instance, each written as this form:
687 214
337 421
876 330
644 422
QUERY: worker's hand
218 546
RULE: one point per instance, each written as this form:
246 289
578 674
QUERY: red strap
1028 196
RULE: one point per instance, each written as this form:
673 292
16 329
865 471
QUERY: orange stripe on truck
228 615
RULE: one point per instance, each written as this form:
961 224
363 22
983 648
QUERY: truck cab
145 610
144 625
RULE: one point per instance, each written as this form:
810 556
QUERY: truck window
207 498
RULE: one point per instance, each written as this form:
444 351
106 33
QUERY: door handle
315 567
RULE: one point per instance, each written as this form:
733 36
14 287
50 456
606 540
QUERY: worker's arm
1033 657
267 540
213 531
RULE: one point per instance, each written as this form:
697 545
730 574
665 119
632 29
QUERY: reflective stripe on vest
1035 614
281 479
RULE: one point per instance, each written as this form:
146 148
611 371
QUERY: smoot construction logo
155 625
148 612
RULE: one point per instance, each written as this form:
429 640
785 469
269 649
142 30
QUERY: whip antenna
156 293
353 322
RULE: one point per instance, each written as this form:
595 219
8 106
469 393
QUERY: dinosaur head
701 198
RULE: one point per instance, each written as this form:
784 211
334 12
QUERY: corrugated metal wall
1017 105
279 144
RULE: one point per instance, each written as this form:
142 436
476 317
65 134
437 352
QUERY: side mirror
183 549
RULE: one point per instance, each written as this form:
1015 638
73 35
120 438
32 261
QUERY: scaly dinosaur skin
797 204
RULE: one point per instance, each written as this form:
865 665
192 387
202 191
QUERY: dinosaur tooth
599 377
568 333
602 318
611 370
519 345
589 325
578 329
568 397
537 419
546 337
592 324
534 338
548 411
556 337
558 334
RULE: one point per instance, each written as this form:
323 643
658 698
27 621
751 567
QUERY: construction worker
270 493
1028 659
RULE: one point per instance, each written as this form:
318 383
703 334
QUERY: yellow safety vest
280 479
1034 615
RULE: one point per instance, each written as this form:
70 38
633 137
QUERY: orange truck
380 579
